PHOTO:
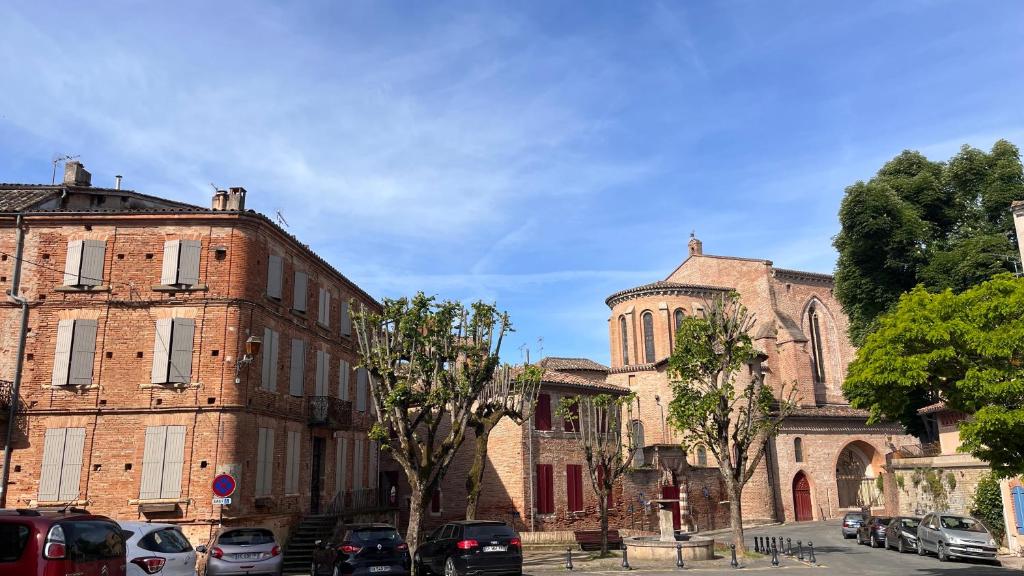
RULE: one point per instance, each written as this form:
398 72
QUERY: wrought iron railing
919 450
330 412
364 500
6 394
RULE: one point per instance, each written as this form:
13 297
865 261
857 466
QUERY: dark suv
872 532
362 549
60 542
471 547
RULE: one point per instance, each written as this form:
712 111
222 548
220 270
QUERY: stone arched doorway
802 509
855 476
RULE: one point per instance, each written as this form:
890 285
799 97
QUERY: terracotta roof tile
566 379
557 363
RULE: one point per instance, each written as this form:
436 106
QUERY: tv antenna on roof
57 158
280 218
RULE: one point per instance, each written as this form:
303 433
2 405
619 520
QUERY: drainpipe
13 410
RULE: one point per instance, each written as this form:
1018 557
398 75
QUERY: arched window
648 320
625 340
638 443
798 449
817 350
679 314
702 456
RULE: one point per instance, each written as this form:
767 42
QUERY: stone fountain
663 547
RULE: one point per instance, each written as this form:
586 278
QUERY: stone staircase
298 553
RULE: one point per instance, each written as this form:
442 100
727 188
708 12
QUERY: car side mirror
201 549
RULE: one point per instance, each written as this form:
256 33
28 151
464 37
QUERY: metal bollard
773 544
679 556
568 558
789 546
625 558
810 553
775 554
799 550
757 544
733 562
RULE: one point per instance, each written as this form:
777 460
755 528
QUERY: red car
60 542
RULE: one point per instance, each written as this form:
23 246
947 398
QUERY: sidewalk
1012 562
545 562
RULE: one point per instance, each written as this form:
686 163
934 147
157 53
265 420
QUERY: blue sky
542 155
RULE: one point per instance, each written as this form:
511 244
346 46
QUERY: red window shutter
574 486
549 473
542 418
570 421
545 489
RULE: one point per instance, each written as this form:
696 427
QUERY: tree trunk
736 515
474 480
602 505
416 503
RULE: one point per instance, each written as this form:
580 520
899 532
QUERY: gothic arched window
817 349
679 314
625 340
648 320
702 456
798 449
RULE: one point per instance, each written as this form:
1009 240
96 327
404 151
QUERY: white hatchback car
158 549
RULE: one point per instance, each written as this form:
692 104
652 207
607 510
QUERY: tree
943 225
720 399
597 427
987 506
965 349
511 394
428 363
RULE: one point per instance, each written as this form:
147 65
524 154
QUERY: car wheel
941 552
449 568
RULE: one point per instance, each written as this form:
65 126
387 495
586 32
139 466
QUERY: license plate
380 569
248 556
495 548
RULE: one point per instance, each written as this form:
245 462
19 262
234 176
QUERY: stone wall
940 483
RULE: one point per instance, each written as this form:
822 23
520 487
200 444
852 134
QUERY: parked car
471 547
60 542
155 548
241 551
901 533
872 531
851 522
363 549
955 536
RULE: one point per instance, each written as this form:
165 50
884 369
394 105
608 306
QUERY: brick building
136 388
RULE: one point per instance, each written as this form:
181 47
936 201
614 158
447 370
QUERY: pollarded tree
511 394
428 363
597 424
720 399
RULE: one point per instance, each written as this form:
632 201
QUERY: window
361 388
638 443
624 336
574 487
296 385
167 540
817 354
679 316
76 348
84 264
798 449
172 351
181 263
268 380
275 269
291 471
448 532
300 294
343 379
435 502
571 420
323 303
162 462
13 538
341 465
323 369
62 464
542 416
358 467
246 537
702 457
92 541
265 462
1018 508
648 321
346 320
545 500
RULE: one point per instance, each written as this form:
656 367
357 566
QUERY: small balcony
6 390
330 413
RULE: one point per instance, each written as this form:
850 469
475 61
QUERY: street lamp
252 350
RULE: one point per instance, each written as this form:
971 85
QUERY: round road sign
224 485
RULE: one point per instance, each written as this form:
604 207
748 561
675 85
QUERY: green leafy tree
965 349
428 363
720 399
939 224
988 506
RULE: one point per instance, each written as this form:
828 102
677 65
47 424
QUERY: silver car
242 552
157 549
954 536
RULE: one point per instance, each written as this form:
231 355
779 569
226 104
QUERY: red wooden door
802 498
672 493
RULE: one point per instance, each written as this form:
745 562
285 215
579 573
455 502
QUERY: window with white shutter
323 367
268 379
75 352
357 474
275 273
162 462
343 379
62 464
346 319
371 463
264 462
361 389
291 476
301 292
324 308
296 383
172 351
341 465
181 263
84 264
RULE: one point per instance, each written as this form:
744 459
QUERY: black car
901 533
363 549
471 547
872 531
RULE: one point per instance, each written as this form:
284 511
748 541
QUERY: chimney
117 182
230 199
220 200
75 174
696 246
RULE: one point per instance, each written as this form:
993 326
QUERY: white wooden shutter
169 268
188 262
341 465
371 463
162 350
361 385
346 320
323 364
300 293
62 353
357 478
181 350
174 459
275 356
261 458
291 473
73 263
153 462
83 351
92 262
71 467
298 367
343 379
275 271
268 473
324 307
269 377
53 458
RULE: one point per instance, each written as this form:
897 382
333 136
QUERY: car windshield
376 535
910 523
13 538
246 537
854 517
489 531
961 523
